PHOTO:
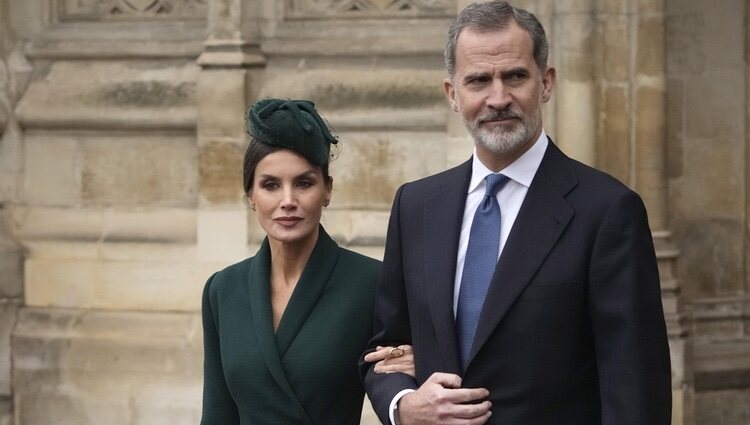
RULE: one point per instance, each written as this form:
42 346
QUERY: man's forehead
506 46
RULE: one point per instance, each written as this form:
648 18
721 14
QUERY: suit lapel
260 307
543 217
442 214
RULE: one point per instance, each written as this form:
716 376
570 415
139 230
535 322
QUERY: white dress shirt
510 198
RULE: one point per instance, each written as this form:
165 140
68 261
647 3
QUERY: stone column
572 36
231 69
648 90
633 144
11 283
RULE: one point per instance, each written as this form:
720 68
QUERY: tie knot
494 182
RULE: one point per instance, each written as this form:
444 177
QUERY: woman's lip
287 220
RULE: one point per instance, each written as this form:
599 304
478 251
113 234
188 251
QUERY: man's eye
477 80
518 76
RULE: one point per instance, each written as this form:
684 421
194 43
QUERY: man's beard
501 139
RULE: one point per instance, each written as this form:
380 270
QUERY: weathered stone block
573 54
613 150
650 60
650 150
727 407
616 47
361 98
650 7
221 172
222 235
372 166
576 120
612 7
107 367
675 127
721 114
574 6
52 171
686 43
111 94
118 285
223 101
6 411
694 191
139 170
356 227
713 250
11 278
7 321
133 225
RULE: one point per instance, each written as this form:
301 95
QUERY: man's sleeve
630 336
391 321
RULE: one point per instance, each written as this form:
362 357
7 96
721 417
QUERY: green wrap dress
305 372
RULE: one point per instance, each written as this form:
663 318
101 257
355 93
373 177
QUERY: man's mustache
503 114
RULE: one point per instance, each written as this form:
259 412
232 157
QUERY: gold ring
396 352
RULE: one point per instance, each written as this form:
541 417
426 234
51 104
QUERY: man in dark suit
526 281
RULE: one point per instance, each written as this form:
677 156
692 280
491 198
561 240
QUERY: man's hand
392 359
441 400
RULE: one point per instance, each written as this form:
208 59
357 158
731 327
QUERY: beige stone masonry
372 165
113 95
136 224
107 367
116 285
125 169
356 98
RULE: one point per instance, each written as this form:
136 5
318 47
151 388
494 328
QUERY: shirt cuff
394 403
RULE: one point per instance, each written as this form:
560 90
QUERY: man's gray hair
494 16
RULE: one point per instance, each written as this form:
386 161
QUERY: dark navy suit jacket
572 330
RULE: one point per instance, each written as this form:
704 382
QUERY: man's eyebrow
475 74
515 71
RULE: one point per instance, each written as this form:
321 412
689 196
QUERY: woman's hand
392 359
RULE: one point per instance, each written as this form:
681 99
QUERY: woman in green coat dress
283 329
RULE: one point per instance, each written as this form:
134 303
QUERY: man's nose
498 96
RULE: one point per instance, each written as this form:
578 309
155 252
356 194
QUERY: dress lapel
260 305
443 212
308 290
543 217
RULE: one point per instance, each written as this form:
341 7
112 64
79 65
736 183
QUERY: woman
283 330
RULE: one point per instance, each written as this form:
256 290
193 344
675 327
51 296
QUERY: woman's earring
252 206
325 204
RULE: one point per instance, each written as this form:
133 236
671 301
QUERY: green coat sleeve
219 407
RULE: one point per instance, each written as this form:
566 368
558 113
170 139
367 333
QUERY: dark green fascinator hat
291 124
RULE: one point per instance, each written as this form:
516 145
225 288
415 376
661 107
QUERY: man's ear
450 93
548 83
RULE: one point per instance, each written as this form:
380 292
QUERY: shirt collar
521 170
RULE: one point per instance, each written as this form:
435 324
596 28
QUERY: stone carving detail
97 10
369 8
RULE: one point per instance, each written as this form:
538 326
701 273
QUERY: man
525 281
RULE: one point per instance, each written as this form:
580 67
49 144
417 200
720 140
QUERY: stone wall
122 136
708 184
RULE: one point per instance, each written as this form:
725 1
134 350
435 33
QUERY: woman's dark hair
255 152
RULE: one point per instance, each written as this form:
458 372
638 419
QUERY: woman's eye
270 185
304 184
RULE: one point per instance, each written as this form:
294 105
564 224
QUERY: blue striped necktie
479 264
